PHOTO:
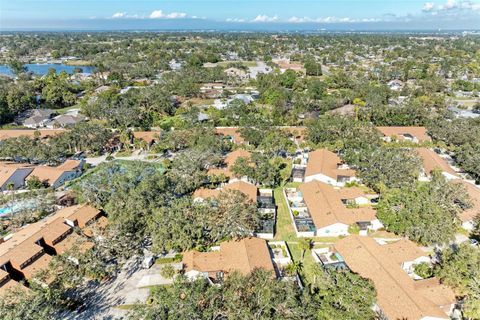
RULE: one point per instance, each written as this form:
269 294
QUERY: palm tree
305 244
294 267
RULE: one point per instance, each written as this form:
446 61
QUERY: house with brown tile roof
334 210
243 256
432 161
31 248
248 189
286 64
9 285
229 161
467 216
80 215
262 198
325 166
231 133
150 137
398 295
99 224
56 176
413 134
13 175
16 133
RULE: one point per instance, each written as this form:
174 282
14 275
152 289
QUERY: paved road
142 156
128 287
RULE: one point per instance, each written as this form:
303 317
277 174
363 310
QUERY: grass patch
81 63
178 257
293 184
284 230
126 306
463 231
308 262
244 63
123 153
66 109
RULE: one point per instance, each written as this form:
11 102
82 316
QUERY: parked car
148 262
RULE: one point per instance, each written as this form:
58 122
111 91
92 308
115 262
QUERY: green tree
458 267
427 212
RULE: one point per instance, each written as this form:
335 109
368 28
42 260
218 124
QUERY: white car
147 262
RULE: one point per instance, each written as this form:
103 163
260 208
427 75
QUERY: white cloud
429 6
176 15
460 5
235 20
331 19
159 14
119 15
265 18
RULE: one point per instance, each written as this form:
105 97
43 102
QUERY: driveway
142 156
130 286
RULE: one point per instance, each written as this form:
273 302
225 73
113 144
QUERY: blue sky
234 14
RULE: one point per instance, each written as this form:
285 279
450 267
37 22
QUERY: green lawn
285 230
66 109
308 261
245 63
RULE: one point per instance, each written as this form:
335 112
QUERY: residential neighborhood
240 174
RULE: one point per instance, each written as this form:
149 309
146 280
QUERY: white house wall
334 230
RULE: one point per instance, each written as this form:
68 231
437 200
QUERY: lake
42 69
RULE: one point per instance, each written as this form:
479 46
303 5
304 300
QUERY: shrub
423 270
178 257
168 271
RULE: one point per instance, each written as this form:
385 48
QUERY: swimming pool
5 211
17 206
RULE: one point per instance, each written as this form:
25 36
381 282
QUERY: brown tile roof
3 275
7 169
51 174
403 250
147 136
100 223
44 133
234 155
288 65
229 162
205 193
325 205
73 241
21 247
231 132
297 132
436 292
41 263
418 132
397 295
432 161
325 162
248 189
23 253
46 174
55 230
11 285
70 165
236 255
82 213
474 194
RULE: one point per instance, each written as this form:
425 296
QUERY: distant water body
42 69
